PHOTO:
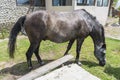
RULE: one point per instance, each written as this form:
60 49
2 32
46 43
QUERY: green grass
51 51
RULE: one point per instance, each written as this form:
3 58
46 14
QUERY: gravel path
113 29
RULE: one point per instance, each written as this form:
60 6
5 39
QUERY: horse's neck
98 36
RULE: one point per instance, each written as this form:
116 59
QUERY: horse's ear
104 46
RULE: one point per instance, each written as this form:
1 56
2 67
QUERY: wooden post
46 68
31 7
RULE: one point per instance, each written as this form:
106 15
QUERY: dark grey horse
59 27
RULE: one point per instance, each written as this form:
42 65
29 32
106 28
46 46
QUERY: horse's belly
59 38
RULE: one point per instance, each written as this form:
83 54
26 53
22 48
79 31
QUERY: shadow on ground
21 69
89 63
113 71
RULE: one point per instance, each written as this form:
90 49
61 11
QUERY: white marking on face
98 47
104 51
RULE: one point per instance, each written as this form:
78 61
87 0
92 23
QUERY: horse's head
99 42
100 53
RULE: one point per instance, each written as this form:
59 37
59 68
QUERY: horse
116 13
59 27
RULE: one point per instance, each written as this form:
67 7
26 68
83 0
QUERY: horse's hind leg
69 46
78 49
29 54
38 56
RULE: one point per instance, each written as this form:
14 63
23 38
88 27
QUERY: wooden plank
46 68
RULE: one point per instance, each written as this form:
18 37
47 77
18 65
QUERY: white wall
101 13
49 7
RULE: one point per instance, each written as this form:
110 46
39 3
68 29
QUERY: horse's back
66 25
59 26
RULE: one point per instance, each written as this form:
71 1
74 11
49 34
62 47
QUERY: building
9 13
98 8
11 10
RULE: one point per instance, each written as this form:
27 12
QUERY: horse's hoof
65 54
30 68
42 63
79 63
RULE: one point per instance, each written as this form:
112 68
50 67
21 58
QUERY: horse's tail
13 34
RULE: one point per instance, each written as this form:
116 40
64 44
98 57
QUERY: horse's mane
93 17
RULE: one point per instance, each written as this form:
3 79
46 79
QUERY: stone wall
9 13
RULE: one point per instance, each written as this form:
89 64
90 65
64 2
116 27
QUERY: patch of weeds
4 32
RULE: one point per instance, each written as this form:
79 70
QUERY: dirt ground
111 30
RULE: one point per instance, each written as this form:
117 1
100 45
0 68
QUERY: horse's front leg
38 56
69 46
78 49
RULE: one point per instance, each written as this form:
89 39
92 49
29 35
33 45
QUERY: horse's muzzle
102 63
